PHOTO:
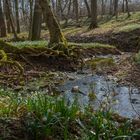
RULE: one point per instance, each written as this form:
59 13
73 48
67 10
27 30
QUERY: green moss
3 55
100 62
92 45
128 28
32 44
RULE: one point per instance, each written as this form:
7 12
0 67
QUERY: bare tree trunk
17 15
103 7
93 14
37 19
8 25
56 35
123 6
66 17
88 8
53 5
111 8
76 11
31 21
2 22
59 7
23 8
9 11
127 8
115 8
69 7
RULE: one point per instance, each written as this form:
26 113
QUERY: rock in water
76 89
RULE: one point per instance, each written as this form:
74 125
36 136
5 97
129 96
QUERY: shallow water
102 87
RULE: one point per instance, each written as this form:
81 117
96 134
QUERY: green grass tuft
93 45
128 28
36 44
51 117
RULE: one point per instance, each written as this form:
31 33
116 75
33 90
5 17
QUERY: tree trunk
37 20
9 11
17 15
127 8
23 8
111 8
8 25
31 20
93 14
123 6
103 7
56 35
115 8
58 9
88 8
76 11
68 13
2 22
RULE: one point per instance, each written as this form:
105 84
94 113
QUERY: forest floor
24 112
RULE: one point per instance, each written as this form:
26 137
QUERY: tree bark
115 8
31 20
93 14
9 11
103 7
2 22
111 8
76 11
123 6
127 8
8 25
56 36
17 15
37 19
88 8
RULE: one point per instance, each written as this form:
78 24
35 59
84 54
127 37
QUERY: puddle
102 87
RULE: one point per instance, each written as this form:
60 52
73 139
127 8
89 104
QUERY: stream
92 89
122 99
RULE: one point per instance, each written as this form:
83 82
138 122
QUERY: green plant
32 44
47 117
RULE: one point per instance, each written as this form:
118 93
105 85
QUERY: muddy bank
125 41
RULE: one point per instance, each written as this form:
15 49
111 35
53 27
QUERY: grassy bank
41 116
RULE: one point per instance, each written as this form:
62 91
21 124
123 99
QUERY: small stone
75 89
71 78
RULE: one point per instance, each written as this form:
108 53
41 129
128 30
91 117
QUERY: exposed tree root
56 57
10 70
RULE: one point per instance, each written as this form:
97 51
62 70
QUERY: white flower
44 119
